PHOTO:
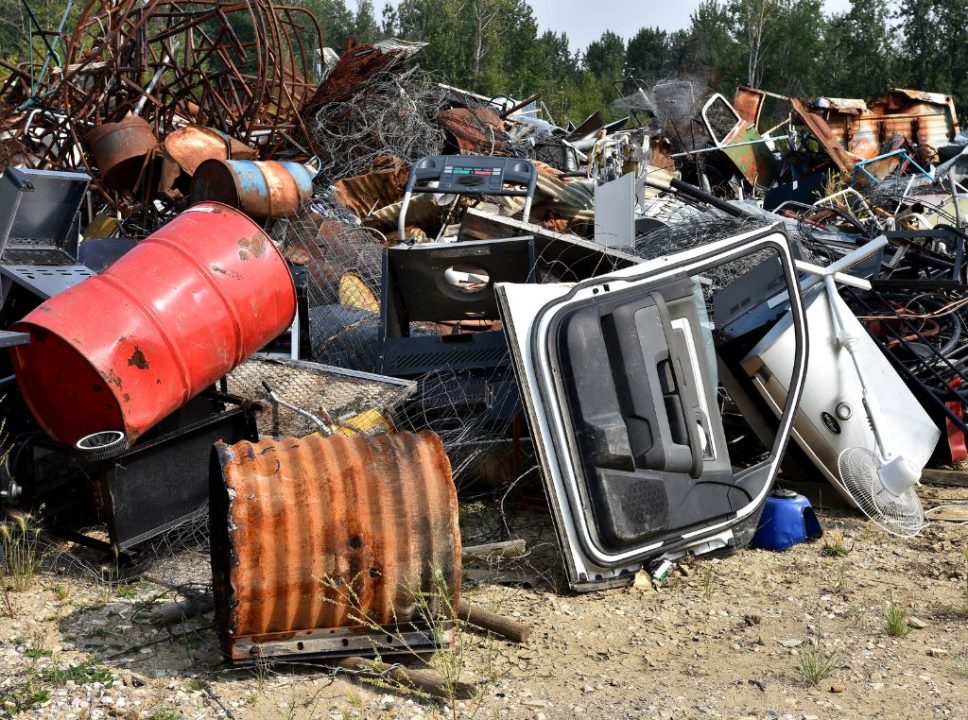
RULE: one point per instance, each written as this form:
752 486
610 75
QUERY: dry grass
19 538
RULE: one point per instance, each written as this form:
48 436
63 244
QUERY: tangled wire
392 114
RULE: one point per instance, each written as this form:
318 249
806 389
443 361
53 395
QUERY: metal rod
689 153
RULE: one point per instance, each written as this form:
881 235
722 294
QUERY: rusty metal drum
121 150
123 349
267 189
296 520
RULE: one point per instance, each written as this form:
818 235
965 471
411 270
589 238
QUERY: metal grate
355 401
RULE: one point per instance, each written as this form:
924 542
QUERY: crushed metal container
266 189
311 534
123 349
121 151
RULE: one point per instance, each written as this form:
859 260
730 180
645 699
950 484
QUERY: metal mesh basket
356 401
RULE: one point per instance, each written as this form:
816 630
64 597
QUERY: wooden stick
425 680
497 624
951 478
176 612
494 551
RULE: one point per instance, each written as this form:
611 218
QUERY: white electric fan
882 484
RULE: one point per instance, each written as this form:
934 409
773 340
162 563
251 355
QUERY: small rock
792 643
837 689
643 581
916 623
937 652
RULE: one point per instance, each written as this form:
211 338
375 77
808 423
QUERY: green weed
896 619
815 665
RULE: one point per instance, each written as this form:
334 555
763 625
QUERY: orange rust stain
250 247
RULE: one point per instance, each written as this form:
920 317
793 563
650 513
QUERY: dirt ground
733 638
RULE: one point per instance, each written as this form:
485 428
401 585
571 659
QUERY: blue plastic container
787 520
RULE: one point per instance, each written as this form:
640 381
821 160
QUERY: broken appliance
160 483
437 309
38 237
618 378
847 411
472 176
754 325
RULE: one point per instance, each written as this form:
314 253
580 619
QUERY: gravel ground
719 639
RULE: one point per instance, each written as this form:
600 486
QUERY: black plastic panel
630 394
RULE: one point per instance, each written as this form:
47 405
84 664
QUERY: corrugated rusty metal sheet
384 186
748 102
922 117
476 130
375 513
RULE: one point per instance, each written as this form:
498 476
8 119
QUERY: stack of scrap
377 292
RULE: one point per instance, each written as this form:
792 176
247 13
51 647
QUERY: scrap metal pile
242 272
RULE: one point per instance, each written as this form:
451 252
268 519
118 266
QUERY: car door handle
691 411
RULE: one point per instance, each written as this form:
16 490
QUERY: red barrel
124 349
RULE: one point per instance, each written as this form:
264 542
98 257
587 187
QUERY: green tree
605 57
648 55
710 49
860 50
365 27
335 20
935 46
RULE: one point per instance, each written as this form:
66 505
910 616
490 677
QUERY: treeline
787 46
495 47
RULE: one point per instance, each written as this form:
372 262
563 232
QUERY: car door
618 375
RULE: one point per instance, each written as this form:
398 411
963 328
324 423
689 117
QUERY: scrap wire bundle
393 114
674 103
342 262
